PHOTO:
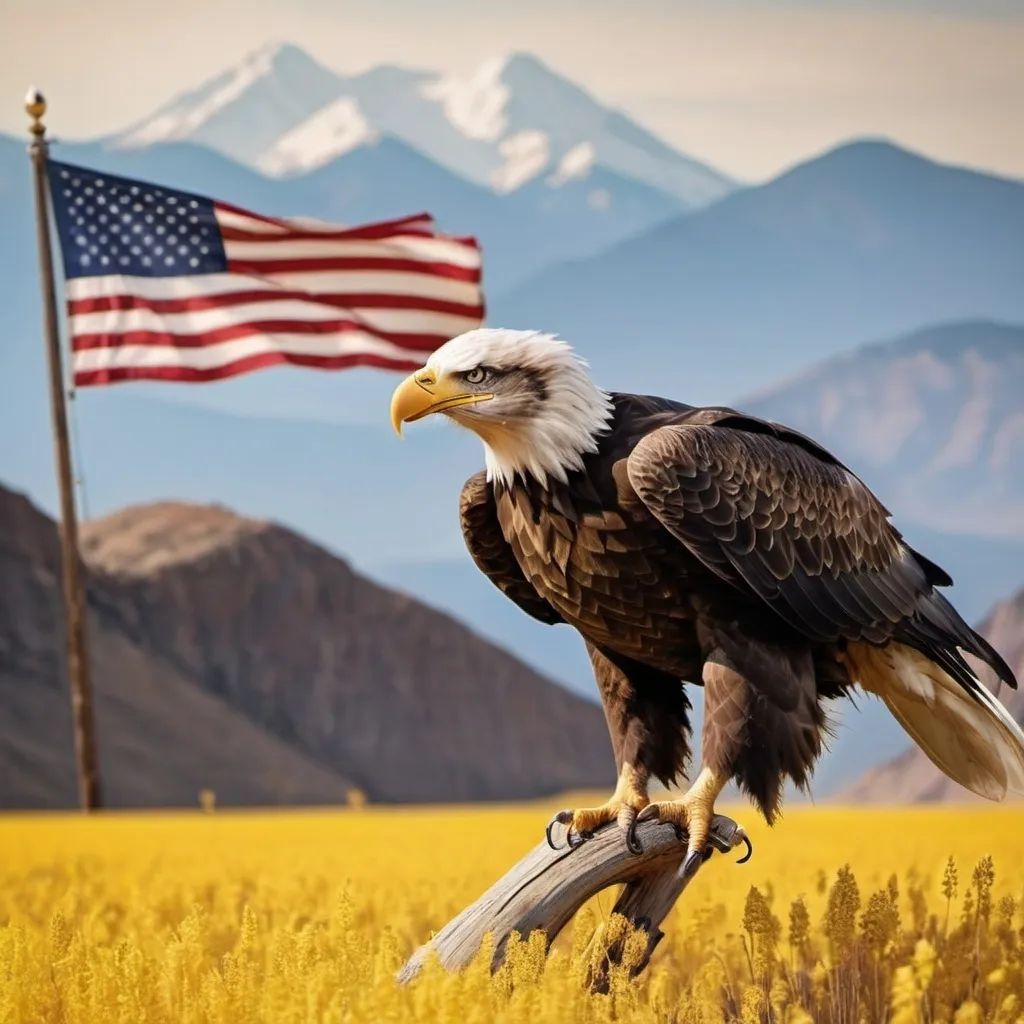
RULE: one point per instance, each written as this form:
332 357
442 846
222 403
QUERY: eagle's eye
477 375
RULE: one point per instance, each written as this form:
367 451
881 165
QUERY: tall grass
842 916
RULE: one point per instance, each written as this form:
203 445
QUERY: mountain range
511 122
232 654
867 241
868 296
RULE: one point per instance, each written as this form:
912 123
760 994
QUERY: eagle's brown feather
763 718
803 534
491 552
647 713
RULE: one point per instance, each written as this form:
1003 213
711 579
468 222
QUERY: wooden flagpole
71 566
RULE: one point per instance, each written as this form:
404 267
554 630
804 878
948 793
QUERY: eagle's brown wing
491 552
780 521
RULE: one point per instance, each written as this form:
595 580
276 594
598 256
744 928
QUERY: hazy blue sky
749 86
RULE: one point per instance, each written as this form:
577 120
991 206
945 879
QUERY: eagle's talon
693 861
750 848
583 823
632 843
547 833
561 818
694 819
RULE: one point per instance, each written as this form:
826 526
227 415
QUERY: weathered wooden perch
547 887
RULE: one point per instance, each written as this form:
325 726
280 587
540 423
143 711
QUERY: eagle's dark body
703 546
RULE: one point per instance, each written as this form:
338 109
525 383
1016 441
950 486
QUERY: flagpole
71 568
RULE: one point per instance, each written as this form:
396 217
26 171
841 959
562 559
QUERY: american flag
165 285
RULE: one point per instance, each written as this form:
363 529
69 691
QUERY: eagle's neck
551 443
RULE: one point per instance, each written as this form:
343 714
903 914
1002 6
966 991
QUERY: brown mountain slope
233 654
911 777
379 687
161 738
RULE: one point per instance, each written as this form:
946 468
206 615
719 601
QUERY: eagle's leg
646 711
630 796
729 705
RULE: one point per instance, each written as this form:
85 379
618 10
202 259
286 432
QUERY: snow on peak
508 122
474 105
180 122
333 130
525 155
575 163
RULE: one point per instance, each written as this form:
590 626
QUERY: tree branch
547 887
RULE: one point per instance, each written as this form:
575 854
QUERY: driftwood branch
547 887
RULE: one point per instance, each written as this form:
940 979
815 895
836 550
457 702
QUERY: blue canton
111 225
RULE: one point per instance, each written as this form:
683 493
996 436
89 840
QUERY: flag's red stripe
117 339
380 229
337 264
107 303
256 362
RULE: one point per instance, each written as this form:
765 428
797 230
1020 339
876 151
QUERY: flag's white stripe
230 219
382 282
315 224
212 356
407 247
354 282
199 321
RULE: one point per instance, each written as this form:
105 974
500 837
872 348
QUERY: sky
750 86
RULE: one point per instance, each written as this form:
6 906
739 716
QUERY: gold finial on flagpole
35 107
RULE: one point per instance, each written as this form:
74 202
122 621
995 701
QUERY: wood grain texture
547 887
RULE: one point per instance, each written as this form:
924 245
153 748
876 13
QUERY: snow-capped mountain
244 111
511 122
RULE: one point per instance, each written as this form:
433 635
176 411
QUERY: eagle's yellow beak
422 393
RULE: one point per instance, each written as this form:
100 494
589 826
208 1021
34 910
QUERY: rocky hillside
162 739
234 654
911 777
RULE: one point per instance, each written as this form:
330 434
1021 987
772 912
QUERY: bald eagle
703 546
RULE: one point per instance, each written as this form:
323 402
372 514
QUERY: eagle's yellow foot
692 815
629 798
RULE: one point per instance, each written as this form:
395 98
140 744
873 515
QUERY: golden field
306 916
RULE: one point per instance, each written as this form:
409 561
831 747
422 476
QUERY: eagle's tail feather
965 732
937 629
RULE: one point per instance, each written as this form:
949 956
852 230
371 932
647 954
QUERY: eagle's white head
526 394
